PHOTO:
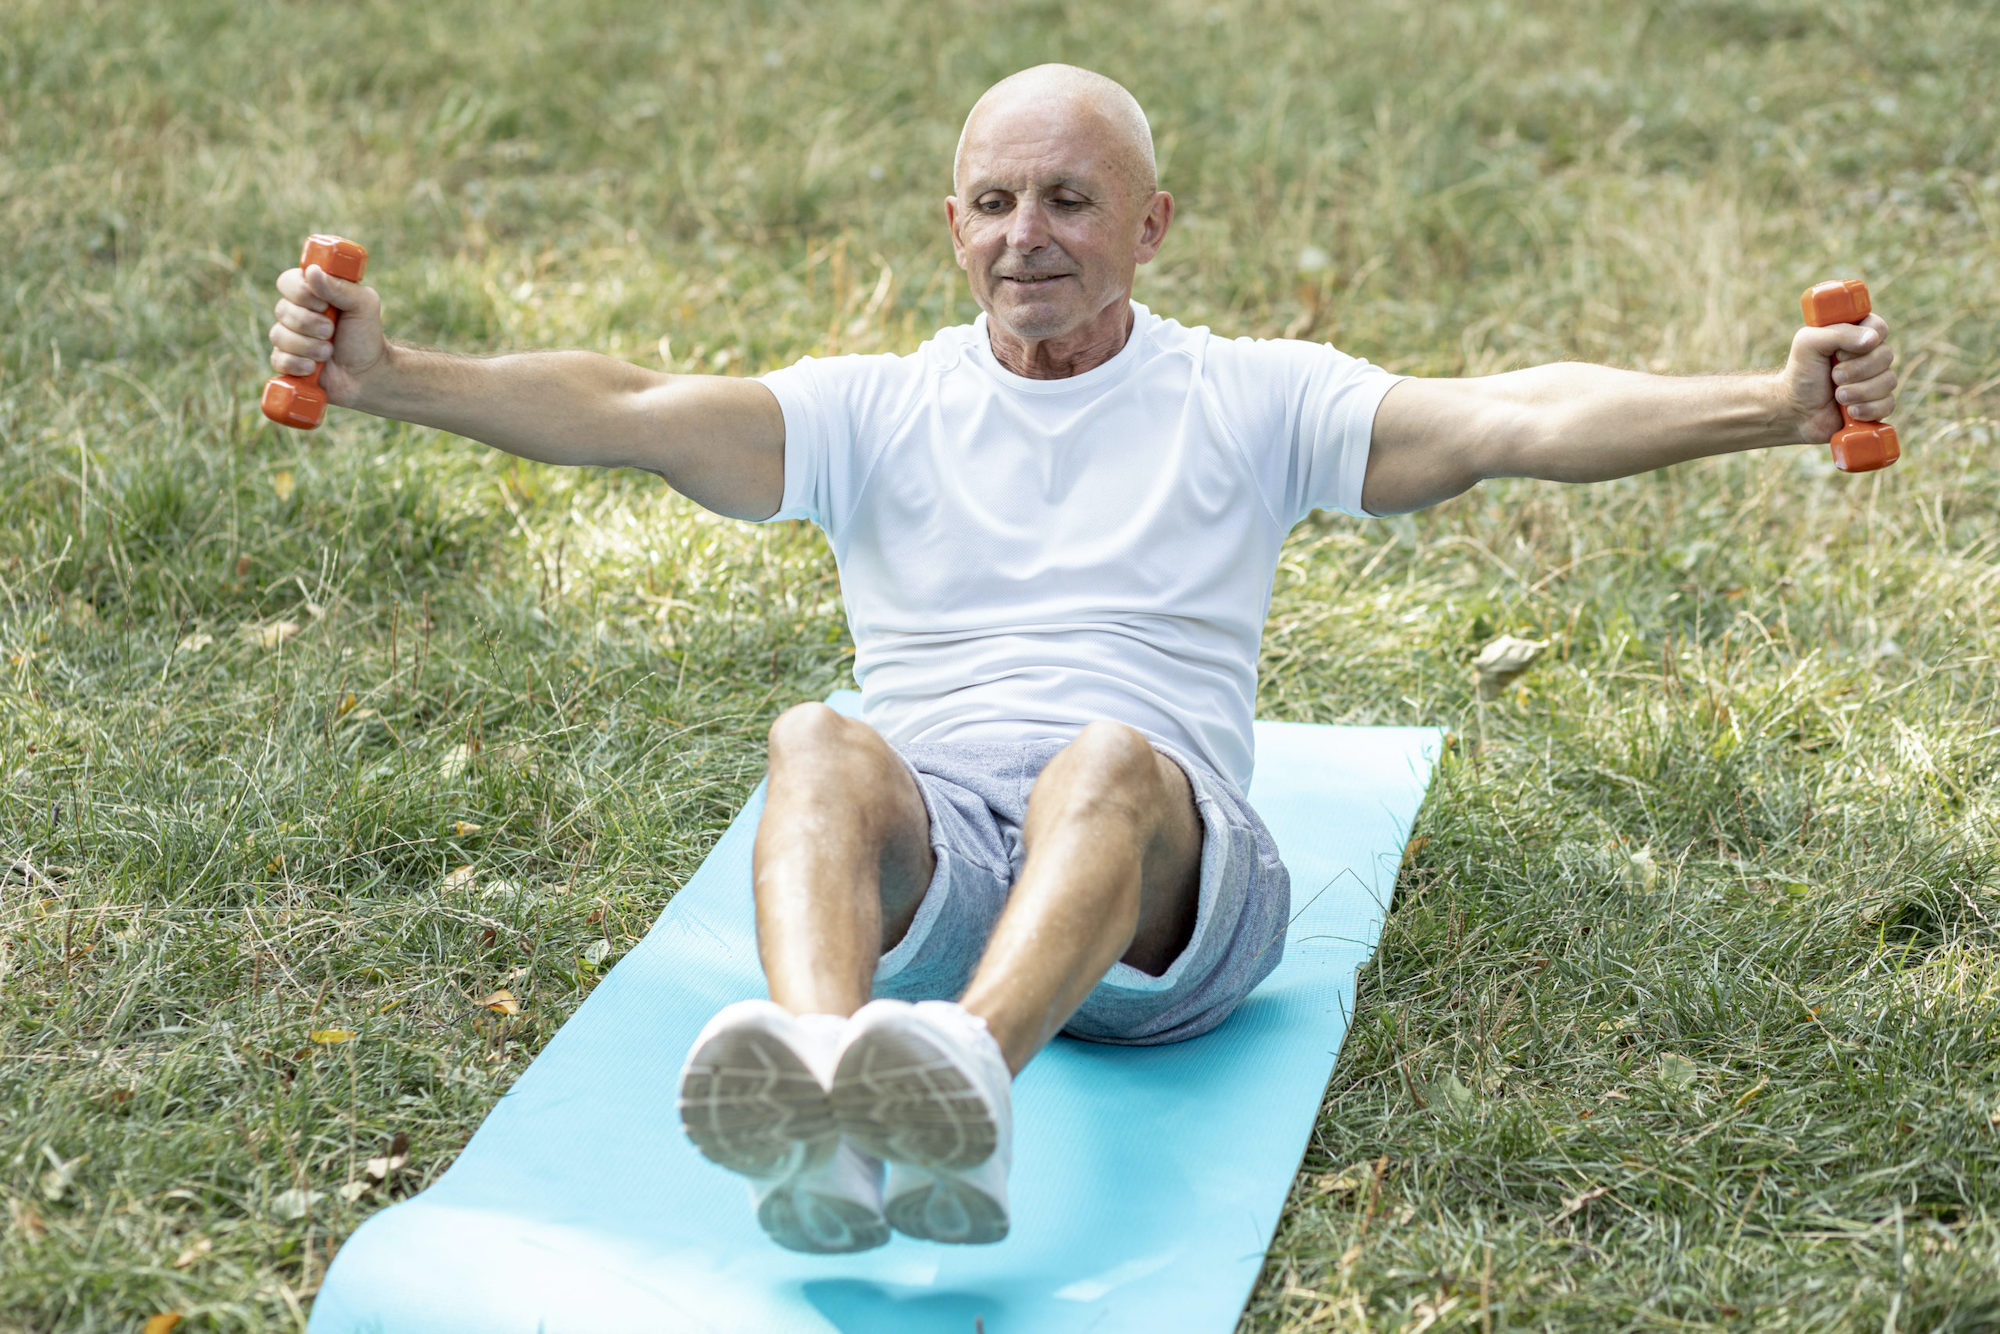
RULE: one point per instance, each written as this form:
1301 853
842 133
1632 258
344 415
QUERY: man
1056 530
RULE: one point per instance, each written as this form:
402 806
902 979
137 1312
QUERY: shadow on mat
856 1306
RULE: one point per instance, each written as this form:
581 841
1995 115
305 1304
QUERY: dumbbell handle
1857 446
297 400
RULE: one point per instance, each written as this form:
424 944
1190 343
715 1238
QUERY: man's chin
1035 317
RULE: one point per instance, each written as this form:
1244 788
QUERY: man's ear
1153 229
951 216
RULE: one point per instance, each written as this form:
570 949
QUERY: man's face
1050 223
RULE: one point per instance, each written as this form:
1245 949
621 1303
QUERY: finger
1867 391
292 286
284 363
343 294
1866 366
309 322
1877 323
1830 341
299 345
1874 410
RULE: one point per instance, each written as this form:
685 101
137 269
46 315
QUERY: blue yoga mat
1146 1185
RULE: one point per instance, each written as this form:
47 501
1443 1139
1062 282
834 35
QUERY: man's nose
1028 228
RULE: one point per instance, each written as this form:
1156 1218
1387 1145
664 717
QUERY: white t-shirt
1022 557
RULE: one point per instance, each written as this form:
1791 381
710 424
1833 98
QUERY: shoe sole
898 1097
950 1210
817 1224
750 1104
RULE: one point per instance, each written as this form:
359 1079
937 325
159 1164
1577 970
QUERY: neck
1073 353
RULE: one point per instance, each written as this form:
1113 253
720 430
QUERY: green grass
1753 1088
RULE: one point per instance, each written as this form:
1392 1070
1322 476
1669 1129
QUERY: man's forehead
1039 149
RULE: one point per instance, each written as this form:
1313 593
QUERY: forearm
1574 422
554 407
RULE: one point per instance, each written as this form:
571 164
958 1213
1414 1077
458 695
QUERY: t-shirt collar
1120 363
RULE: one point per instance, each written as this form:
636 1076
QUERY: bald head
1099 111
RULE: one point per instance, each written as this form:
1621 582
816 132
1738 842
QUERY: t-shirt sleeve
818 430
837 411
1305 413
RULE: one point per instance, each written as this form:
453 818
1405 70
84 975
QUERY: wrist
1788 423
380 390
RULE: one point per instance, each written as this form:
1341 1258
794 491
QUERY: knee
811 739
806 729
1111 763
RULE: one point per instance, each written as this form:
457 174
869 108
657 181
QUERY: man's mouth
1031 279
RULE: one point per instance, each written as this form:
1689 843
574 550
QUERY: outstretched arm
1572 422
716 439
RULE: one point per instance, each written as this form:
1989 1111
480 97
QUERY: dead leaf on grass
502 1001
455 762
194 643
465 828
292 1205
56 1181
461 879
1503 660
355 1189
27 1220
163 1323
1350 1178
1576 1202
283 483
195 1250
328 1037
274 634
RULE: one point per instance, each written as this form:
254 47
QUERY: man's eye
992 205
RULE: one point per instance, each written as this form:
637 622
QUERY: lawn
1688 1012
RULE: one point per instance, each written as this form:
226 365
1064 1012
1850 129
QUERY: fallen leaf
354 1190
346 705
455 762
1448 1087
1641 872
276 633
195 1250
27 1220
380 1168
502 1002
56 1181
1503 660
163 1323
508 891
1411 849
1350 1178
465 828
328 1037
596 952
282 483
1676 1070
1578 1200
292 1205
195 642
243 564
462 878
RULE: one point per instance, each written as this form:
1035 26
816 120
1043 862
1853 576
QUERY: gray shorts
977 797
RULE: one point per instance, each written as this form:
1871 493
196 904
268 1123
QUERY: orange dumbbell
297 400
1857 446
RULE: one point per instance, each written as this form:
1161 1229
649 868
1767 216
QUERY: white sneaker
753 1099
925 1087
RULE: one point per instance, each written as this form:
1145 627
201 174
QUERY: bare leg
1113 872
842 859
